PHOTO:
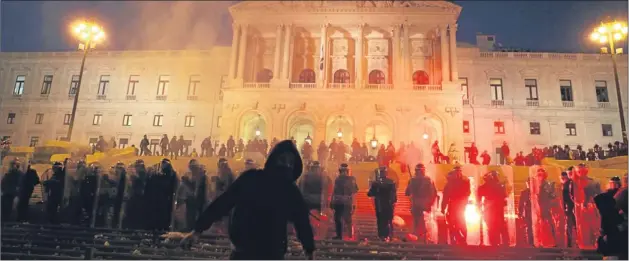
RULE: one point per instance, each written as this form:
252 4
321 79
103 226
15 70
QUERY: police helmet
420 166
57 164
139 162
249 162
222 162
343 168
382 171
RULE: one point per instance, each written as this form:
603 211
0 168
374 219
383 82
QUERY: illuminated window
126 120
19 85
74 84
566 90
341 76
157 120
496 89
307 76
571 129
66 119
531 89
103 84
264 76
534 128
47 84
97 119
466 127
376 77
39 118
133 82
420 78
189 122
499 127
607 130
601 91
162 85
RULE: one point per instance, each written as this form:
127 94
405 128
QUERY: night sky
545 26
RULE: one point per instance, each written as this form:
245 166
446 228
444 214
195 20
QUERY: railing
379 86
498 103
340 86
417 87
44 95
101 97
603 105
466 102
552 56
567 104
301 85
161 97
532 103
15 95
192 97
256 85
130 97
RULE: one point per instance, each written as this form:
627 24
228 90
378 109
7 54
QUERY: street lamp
89 34
425 136
339 133
308 139
258 133
608 33
374 142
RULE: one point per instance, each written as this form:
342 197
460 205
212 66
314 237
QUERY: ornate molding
378 47
279 107
303 106
421 47
256 105
379 107
403 110
427 109
233 107
452 110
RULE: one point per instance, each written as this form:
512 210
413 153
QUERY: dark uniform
160 189
314 188
106 195
546 201
134 217
10 187
384 192
525 213
495 196
456 195
567 196
119 196
343 201
88 191
613 227
54 190
29 181
423 194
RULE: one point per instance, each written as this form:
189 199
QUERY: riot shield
71 203
506 178
107 189
120 197
476 229
431 217
175 185
587 217
546 207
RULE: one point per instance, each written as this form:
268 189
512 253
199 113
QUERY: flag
321 56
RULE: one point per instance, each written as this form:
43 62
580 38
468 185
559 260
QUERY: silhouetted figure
29 181
163 143
546 201
495 196
160 189
144 146
54 190
10 187
342 202
135 209
456 195
231 144
423 194
261 203
384 192
567 196
525 213
613 239
315 188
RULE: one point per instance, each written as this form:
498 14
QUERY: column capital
361 25
288 26
453 27
235 26
325 25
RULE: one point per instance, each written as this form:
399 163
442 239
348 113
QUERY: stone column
234 52
453 67
395 61
406 54
287 41
359 55
322 55
242 52
278 48
445 67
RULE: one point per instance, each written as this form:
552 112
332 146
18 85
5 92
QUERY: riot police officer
494 204
119 197
88 190
456 195
249 164
10 185
423 194
314 188
525 213
546 201
29 181
54 191
567 195
224 178
384 192
134 213
343 201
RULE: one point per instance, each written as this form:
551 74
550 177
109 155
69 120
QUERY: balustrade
341 86
130 97
379 87
303 85
256 85
417 87
603 105
532 103
567 104
101 97
161 97
498 103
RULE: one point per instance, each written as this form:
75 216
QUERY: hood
281 147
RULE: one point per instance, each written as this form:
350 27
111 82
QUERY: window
102 85
74 85
11 118
97 119
123 143
162 84
34 141
490 38
19 85
535 128
496 89
133 82
566 90
66 119
193 84
341 76
39 118
307 76
466 126
531 89
376 77
601 91
223 81
189 121
126 120
607 130
264 76
499 127
157 120
464 88
420 78
46 85
571 129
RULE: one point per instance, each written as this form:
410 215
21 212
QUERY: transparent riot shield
120 197
473 219
71 204
431 217
173 199
587 216
545 206
107 191
506 178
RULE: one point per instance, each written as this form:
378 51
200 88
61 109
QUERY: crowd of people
261 200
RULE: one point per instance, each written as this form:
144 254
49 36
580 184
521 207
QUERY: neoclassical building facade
383 70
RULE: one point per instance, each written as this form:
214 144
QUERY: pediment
494 72
565 72
529 73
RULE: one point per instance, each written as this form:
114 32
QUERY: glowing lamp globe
425 136
339 133
258 133
308 139
374 143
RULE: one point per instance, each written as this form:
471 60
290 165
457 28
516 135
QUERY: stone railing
550 56
101 97
161 97
497 103
603 105
433 87
303 85
567 104
131 97
192 97
341 86
378 87
532 103
256 85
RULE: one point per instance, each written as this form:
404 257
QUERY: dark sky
552 26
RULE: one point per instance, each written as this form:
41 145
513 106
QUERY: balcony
567 104
379 87
340 86
192 97
603 105
161 97
101 97
17 96
130 97
303 85
44 95
433 87
532 103
497 103
256 85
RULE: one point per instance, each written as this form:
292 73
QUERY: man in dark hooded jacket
29 181
263 202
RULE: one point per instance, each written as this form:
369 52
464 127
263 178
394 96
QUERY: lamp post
88 34
608 33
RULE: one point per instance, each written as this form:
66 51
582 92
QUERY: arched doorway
252 126
382 133
339 124
299 127
341 76
421 78
264 76
424 132
307 76
377 77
